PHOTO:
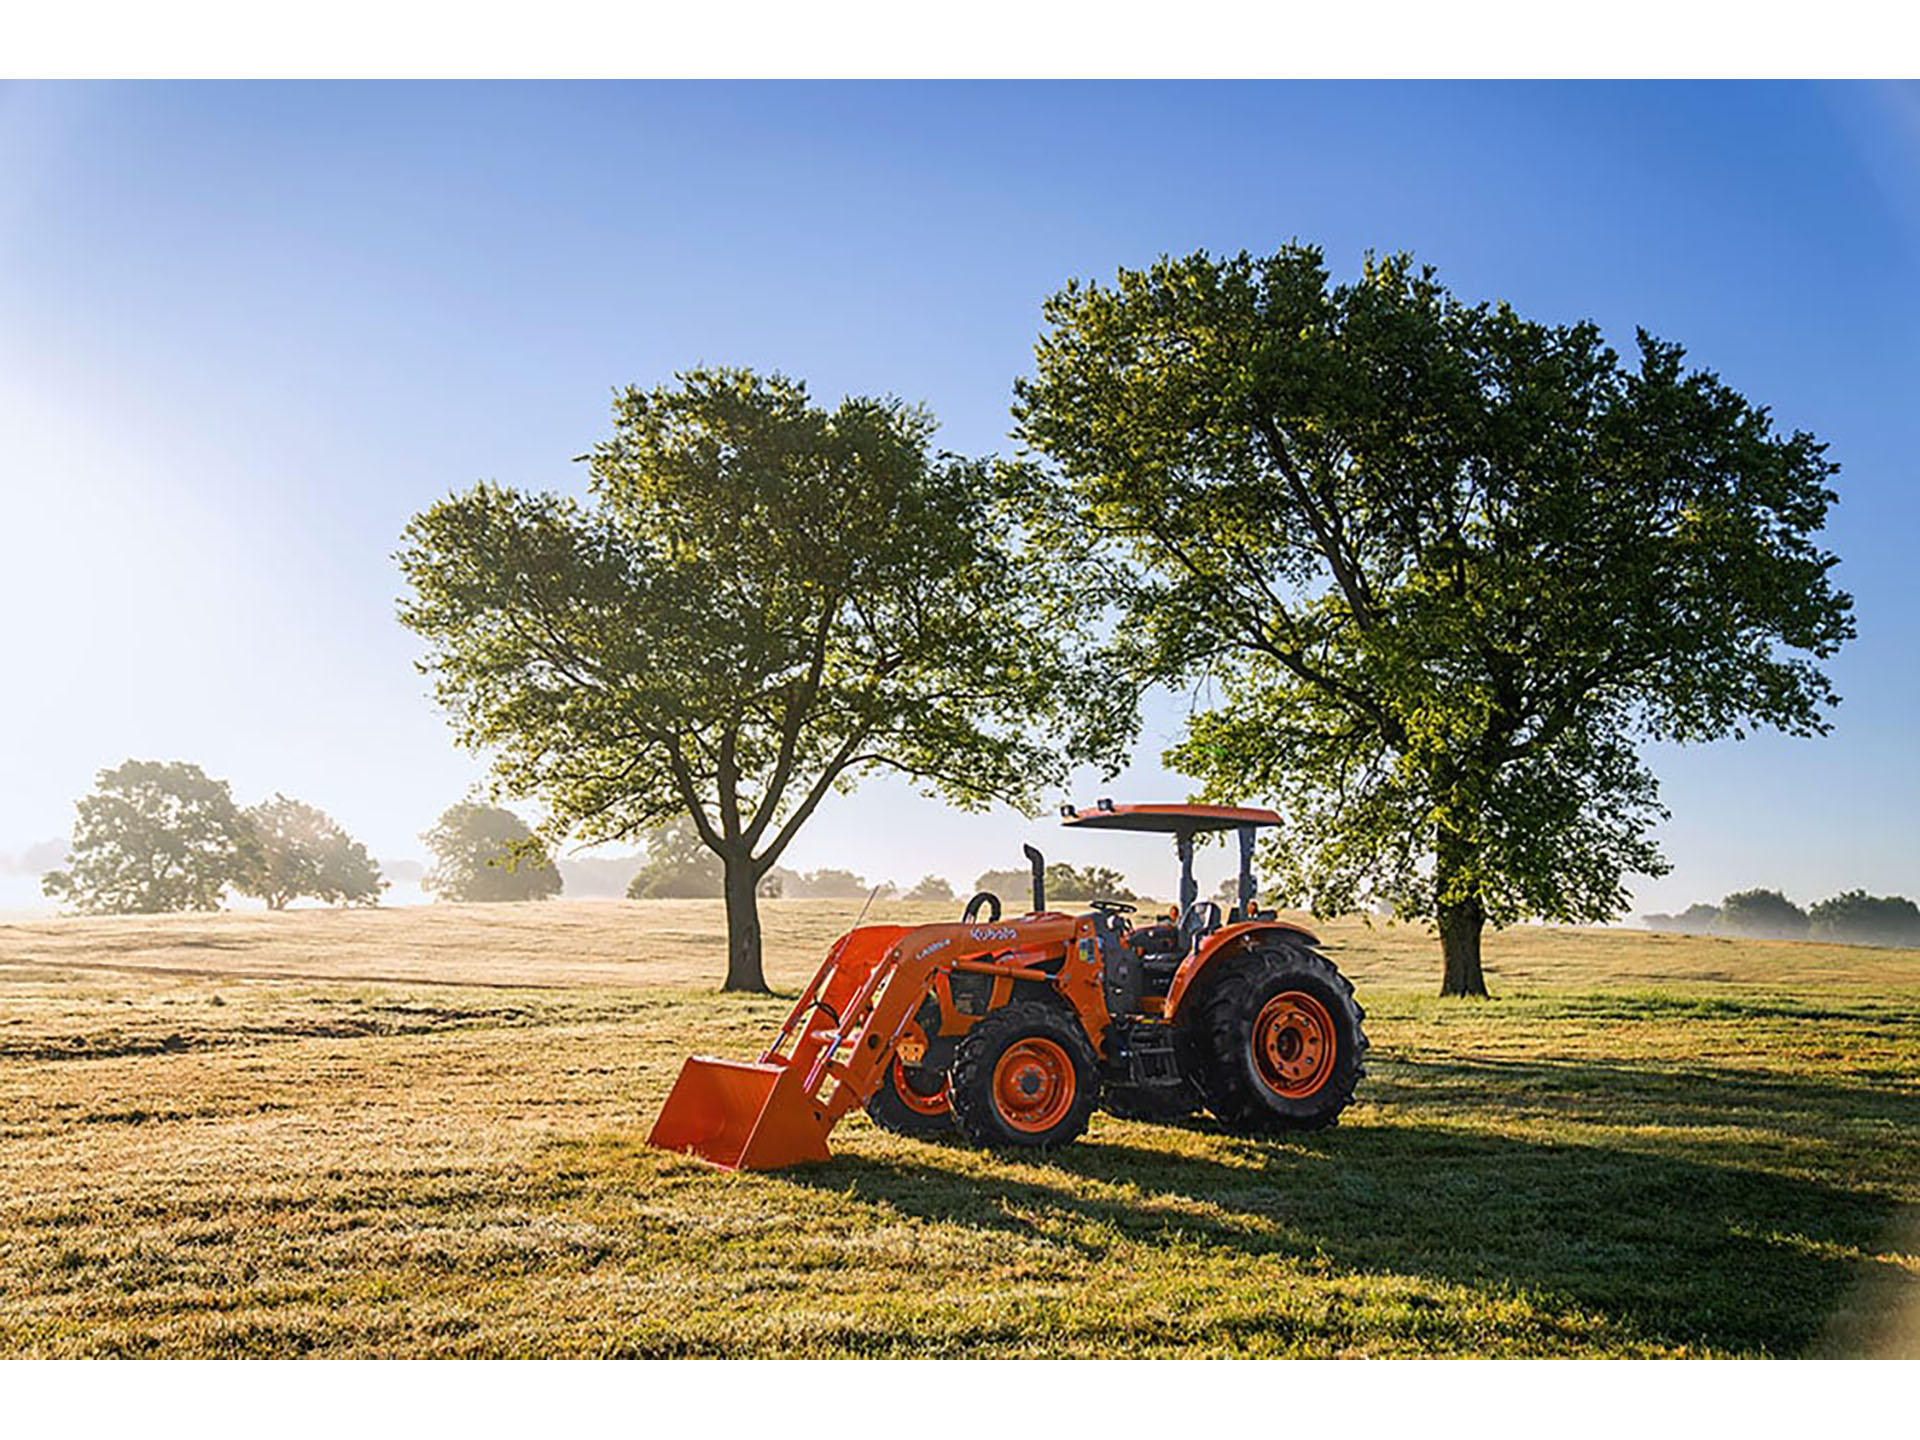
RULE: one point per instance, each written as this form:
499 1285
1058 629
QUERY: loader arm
827 1059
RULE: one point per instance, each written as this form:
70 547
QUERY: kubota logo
992 932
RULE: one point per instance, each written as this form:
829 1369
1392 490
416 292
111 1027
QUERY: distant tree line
680 866
1851 918
157 836
1064 882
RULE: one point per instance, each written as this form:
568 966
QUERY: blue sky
246 330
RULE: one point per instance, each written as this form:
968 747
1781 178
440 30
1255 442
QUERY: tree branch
1325 527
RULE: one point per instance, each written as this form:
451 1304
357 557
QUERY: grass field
418 1132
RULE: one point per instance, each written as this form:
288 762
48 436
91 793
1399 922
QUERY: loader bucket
742 1116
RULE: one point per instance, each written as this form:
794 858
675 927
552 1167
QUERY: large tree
486 853
154 836
300 851
761 601
1445 567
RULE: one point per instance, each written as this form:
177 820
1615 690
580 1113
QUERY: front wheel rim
1294 1044
1034 1084
928 1105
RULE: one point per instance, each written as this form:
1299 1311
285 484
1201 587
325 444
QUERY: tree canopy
831 882
154 836
482 852
299 851
1761 914
1857 918
760 601
1439 568
679 866
1064 882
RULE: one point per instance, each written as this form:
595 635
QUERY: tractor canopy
1166 819
1183 822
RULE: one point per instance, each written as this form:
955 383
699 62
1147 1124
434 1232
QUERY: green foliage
1762 914
482 852
300 851
1443 565
761 601
1064 882
1092 882
931 888
823 884
154 836
1009 885
679 866
1858 918
831 884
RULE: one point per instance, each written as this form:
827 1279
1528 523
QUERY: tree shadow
1625 1093
1673 1250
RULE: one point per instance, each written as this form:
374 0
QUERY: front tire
1025 1077
1275 1043
913 1102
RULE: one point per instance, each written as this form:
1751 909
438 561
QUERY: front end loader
1012 1030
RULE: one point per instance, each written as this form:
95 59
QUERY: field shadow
1673 1251
1620 1092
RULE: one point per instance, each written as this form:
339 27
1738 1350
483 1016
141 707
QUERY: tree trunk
1461 915
743 925
1460 927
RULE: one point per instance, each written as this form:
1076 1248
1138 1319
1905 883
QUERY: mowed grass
421 1132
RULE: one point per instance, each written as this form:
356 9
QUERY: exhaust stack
1039 864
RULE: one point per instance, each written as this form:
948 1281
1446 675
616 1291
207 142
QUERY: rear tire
905 1104
1025 1077
1274 1043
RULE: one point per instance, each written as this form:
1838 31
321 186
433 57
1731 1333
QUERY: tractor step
1141 1054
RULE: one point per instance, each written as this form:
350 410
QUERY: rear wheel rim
1034 1084
934 1104
1294 1045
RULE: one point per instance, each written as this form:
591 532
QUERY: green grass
420 1133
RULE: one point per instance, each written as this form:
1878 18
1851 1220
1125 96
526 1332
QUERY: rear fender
1230 940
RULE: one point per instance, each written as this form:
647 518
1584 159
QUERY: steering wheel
1112 907
972 912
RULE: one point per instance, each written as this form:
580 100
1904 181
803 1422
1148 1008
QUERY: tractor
1011 1030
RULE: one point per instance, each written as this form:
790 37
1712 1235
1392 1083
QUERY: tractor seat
1201 920
1158 947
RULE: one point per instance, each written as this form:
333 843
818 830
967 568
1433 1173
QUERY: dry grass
417 1132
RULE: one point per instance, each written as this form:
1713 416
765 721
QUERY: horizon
250 329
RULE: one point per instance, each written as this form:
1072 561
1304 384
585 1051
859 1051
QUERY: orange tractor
1012 1030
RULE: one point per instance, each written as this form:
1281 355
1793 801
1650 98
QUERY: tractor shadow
1701 1248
